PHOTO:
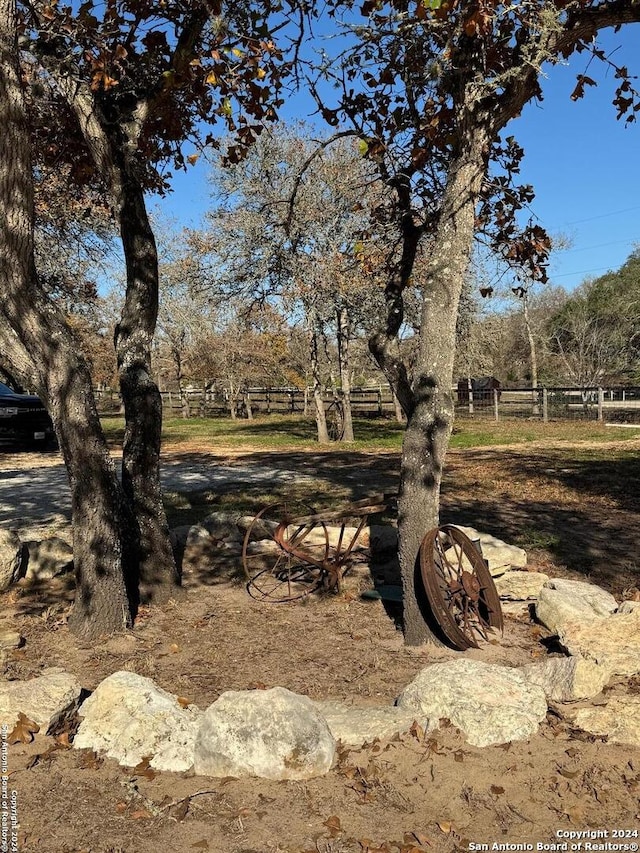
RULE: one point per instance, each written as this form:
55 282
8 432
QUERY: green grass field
276 432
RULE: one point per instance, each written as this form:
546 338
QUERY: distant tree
595 335
291 224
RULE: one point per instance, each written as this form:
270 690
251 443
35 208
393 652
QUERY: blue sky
583 163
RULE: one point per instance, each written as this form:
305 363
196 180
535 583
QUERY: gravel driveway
34 491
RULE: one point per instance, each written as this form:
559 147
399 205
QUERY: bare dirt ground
577 516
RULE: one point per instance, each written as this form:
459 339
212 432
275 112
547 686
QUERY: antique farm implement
291 551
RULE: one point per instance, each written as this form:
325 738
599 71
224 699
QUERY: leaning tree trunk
344 340
34 334
159 576
431 418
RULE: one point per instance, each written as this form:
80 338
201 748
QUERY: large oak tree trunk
35 337
159 576
431 419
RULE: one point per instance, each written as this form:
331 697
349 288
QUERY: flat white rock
619 719
490 704
520 586
568 679
565 602
613 642
357 725
46 700
499 554
274 734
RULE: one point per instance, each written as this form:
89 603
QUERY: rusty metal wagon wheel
335 421
284 553
459 587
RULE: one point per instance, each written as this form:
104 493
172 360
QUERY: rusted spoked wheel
335 421
461 592
284 552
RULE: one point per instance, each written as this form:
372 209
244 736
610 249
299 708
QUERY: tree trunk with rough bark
320 414
344 339
431 419
400 415
36 337
159 576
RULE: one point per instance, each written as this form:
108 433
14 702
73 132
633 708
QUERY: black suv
24 419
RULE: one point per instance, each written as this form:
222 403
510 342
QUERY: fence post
496 407
545 405
600 403
379 401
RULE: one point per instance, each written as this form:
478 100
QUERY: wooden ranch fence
616 405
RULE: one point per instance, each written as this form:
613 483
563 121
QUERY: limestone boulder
13 558
520 586
619 719
357 725
491 704
10 640
563 603
499 554
208 541
49 558
263 528
568 679
273 734
612 642
629 607
129 718
47 700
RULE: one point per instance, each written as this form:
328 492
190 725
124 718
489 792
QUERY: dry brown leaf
144 768
89 760
140 814
201 845
417 731
23 731
496 789
333 825
62 740
174 648
121 807
445 826
183 701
